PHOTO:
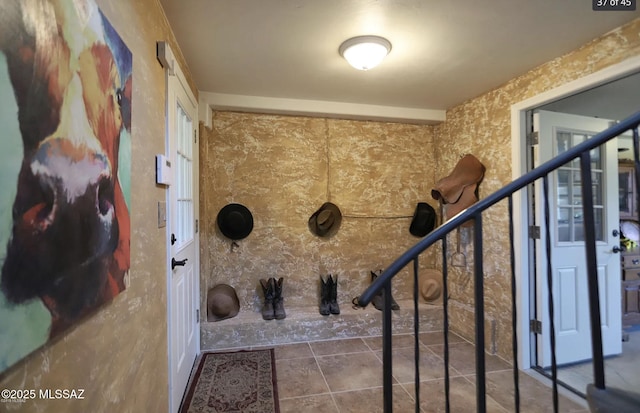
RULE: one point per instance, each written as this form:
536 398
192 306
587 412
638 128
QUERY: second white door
558 133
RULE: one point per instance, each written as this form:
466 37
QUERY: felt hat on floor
222 302
325 221
235 221
424 220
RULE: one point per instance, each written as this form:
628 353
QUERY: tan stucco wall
283 169
119 355
482 126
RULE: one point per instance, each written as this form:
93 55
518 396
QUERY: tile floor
340 376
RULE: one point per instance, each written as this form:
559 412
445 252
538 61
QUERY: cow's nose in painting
75 182
105 196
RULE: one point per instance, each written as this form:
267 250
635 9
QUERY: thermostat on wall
163 170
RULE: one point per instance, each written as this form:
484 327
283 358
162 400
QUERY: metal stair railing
598 395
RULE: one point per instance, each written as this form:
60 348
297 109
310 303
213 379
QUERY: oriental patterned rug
241 381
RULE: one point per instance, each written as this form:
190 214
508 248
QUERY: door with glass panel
558 133
183 285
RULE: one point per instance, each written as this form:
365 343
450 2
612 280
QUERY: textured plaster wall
482 126
283 169
119 355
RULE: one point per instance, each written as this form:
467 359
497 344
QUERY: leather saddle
459 190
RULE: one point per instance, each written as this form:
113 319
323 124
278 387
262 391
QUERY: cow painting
65 111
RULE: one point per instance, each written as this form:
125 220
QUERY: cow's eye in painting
119 96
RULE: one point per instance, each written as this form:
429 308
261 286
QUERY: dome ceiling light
365 52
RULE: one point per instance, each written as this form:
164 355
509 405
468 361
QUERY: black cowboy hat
424 220
325 221
235 221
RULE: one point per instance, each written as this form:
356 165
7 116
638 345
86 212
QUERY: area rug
241 381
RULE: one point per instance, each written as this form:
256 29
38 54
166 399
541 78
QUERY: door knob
615 232
177 263
617 249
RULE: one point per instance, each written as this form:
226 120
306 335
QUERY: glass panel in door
569 223
184 179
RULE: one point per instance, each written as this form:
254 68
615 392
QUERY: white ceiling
282 55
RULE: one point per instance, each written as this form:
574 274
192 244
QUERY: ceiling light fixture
365 52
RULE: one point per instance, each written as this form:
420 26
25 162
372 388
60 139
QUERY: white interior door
557 133
183 283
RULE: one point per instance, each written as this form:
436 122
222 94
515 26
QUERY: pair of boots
378 300
329 296
273 303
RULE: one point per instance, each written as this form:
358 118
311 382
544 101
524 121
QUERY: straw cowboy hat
235 221
424 220
430 286
325 221
222 302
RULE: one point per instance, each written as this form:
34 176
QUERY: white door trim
519 165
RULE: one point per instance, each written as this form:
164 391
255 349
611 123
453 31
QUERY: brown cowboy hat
235 221
325 221
222 302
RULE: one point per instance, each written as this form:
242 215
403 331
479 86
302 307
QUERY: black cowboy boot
394 304
278 302
332 287
324 297
378 300
268 288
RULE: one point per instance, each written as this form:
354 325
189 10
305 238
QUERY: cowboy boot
324 297
278 302
333 295
394 304
378 300
268 291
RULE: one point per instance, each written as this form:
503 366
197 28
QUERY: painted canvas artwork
65 150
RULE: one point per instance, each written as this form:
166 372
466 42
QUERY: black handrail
474 210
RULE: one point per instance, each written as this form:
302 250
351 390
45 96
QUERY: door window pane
563 187
568 190
184 178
